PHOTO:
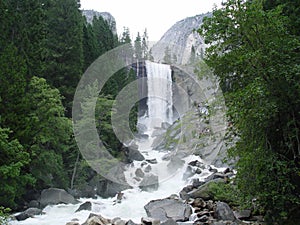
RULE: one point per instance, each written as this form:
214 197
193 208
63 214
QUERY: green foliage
256 59
4 215
13 159
228 192
48 133
64 44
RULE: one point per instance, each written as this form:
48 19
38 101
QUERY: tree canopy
254 52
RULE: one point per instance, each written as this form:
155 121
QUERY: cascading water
132 205
160 96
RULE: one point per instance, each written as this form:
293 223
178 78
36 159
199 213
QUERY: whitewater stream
132 205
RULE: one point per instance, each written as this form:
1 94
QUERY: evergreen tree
64 59
13 159
145 45
138 51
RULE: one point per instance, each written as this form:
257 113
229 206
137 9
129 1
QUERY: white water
132 206
160 96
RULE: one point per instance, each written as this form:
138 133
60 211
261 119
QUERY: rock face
53 196
89 14
164 209
180 39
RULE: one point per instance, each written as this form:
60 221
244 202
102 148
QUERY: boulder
164 209
85 191
133 154
53 196
139 173
31 212
149 221
73 223
224 212
118 221
148 169
203 191
110 189
95 219
183 193
85 206
242 214
149 182
152 161
130 222
169 222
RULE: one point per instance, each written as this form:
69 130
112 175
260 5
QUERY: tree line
254 50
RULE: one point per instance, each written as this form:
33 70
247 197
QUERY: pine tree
64 59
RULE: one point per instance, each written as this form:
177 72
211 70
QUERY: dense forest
45 47
254 49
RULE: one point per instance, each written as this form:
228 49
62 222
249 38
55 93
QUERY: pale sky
155 15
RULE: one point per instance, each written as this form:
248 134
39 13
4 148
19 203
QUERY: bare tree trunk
74 170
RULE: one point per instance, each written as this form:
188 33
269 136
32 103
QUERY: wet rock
73 223
31 212
203 218
164 209
85 206
183 193
134 155
149 221
95 219
118 221
139 173
148 169
152 161
224 212
149 182
197 163
130 222
53 196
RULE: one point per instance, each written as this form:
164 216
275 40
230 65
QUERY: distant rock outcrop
89 14
179 40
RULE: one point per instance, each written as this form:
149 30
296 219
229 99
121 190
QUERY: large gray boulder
149 182
165 209
224 212
53 196
203 191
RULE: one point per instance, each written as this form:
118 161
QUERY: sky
155 15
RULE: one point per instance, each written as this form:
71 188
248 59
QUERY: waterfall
159 81
160 110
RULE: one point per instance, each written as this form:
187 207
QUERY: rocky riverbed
194 204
